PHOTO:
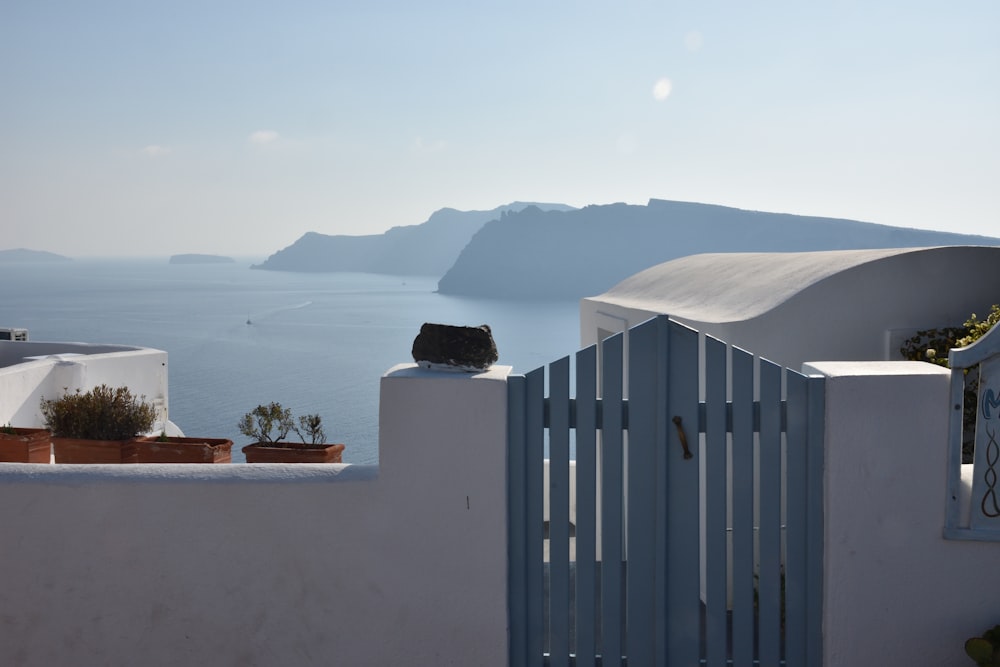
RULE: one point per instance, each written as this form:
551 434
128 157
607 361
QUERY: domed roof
728 287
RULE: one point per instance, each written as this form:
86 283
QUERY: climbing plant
932 345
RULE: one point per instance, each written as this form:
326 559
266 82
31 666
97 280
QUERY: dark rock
462 348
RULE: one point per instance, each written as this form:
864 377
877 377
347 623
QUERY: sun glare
661 89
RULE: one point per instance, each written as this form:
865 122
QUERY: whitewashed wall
406 563
896 592
279 565
797 307
30 371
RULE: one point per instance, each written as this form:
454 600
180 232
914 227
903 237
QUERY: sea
317 343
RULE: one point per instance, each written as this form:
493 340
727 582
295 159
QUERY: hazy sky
233 127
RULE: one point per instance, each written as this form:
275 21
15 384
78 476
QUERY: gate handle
684 440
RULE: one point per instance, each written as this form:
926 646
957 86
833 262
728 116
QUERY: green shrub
932 345
103 413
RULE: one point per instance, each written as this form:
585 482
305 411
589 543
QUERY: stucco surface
274 564
895 591
47 370
726 287
792 308
722 287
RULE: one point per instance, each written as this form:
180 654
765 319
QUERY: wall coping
833 369
412 370
173 473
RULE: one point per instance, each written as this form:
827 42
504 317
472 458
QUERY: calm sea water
317 343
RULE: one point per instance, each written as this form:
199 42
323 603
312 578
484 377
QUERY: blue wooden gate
688 528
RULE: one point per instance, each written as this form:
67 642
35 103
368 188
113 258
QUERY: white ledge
173 473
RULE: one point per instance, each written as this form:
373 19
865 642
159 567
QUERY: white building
848 305
31 371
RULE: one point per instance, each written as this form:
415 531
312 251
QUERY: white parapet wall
401 564
895 591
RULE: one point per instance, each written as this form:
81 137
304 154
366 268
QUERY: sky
135 128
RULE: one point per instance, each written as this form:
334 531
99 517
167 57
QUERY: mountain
429 248
195 258
25 255
573 254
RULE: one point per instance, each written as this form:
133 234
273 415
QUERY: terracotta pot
81 450
262 453
154 449
26 445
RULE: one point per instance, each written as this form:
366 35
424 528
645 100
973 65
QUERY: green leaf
980 650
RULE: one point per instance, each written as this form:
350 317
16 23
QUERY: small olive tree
270 424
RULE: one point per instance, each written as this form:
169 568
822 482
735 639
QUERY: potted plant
95 426
165 448
269 425
25 445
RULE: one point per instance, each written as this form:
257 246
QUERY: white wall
70 366
896 592
273 564
406 564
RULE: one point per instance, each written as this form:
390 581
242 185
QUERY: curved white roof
727 287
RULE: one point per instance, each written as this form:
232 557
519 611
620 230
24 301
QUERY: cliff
429 248
578 253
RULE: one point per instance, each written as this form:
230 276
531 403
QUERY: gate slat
814 521
743 503
641 530
534 510
769 533
664 434
715 502
682 587
559 582
586 506
796 475
611 502
517 521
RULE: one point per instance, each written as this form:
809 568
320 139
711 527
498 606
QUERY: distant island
25 255
535 254
192 258
427 249
554 251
